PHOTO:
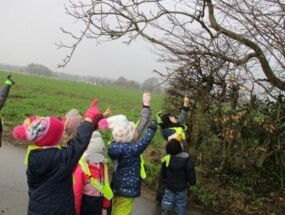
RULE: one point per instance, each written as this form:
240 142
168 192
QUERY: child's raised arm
184 110
73 152
4 92
138 147
145 114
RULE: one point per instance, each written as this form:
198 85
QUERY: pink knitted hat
43 131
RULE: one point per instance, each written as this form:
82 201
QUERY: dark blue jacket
126 179
50 175
179 173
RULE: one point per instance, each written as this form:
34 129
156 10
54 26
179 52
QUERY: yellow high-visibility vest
142 171
166 159
105 188
180 133
33 147
142 162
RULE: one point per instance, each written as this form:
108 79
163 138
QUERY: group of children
73 178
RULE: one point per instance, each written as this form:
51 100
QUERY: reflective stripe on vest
180 132
158 117
105 188
142 162
166 159
142 171
33 147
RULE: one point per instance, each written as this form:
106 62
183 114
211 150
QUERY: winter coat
179 173
126 179
4 92
83 187
49 175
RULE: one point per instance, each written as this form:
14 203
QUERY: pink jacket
82 185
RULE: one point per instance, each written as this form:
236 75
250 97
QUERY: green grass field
51 97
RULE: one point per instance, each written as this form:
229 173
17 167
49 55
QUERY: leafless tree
241 32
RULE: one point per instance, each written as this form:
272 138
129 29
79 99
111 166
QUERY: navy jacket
179 173
50 175
126 179
4 92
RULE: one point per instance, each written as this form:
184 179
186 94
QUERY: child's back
89 198
177 172
49 175
126 150
126 179
50 168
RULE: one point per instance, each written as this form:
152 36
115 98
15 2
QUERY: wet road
13 187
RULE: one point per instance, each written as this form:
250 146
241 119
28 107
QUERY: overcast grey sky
29 30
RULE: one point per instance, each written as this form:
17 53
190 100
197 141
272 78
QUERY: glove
146 99
93 113
9 81
153 124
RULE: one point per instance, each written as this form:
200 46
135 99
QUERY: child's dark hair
173 147
166 122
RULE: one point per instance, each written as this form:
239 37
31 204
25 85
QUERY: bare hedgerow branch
242 32
272 78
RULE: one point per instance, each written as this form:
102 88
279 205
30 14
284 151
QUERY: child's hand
107 112
93 110
93 113
146 99
186 101
9 80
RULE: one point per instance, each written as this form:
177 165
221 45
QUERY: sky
29 30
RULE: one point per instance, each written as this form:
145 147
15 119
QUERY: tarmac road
13 187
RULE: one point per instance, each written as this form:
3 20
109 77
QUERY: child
126 148
177 171
126 181
4 92
88 199
72 120
171 128
50 168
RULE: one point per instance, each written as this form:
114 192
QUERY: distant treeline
150 84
